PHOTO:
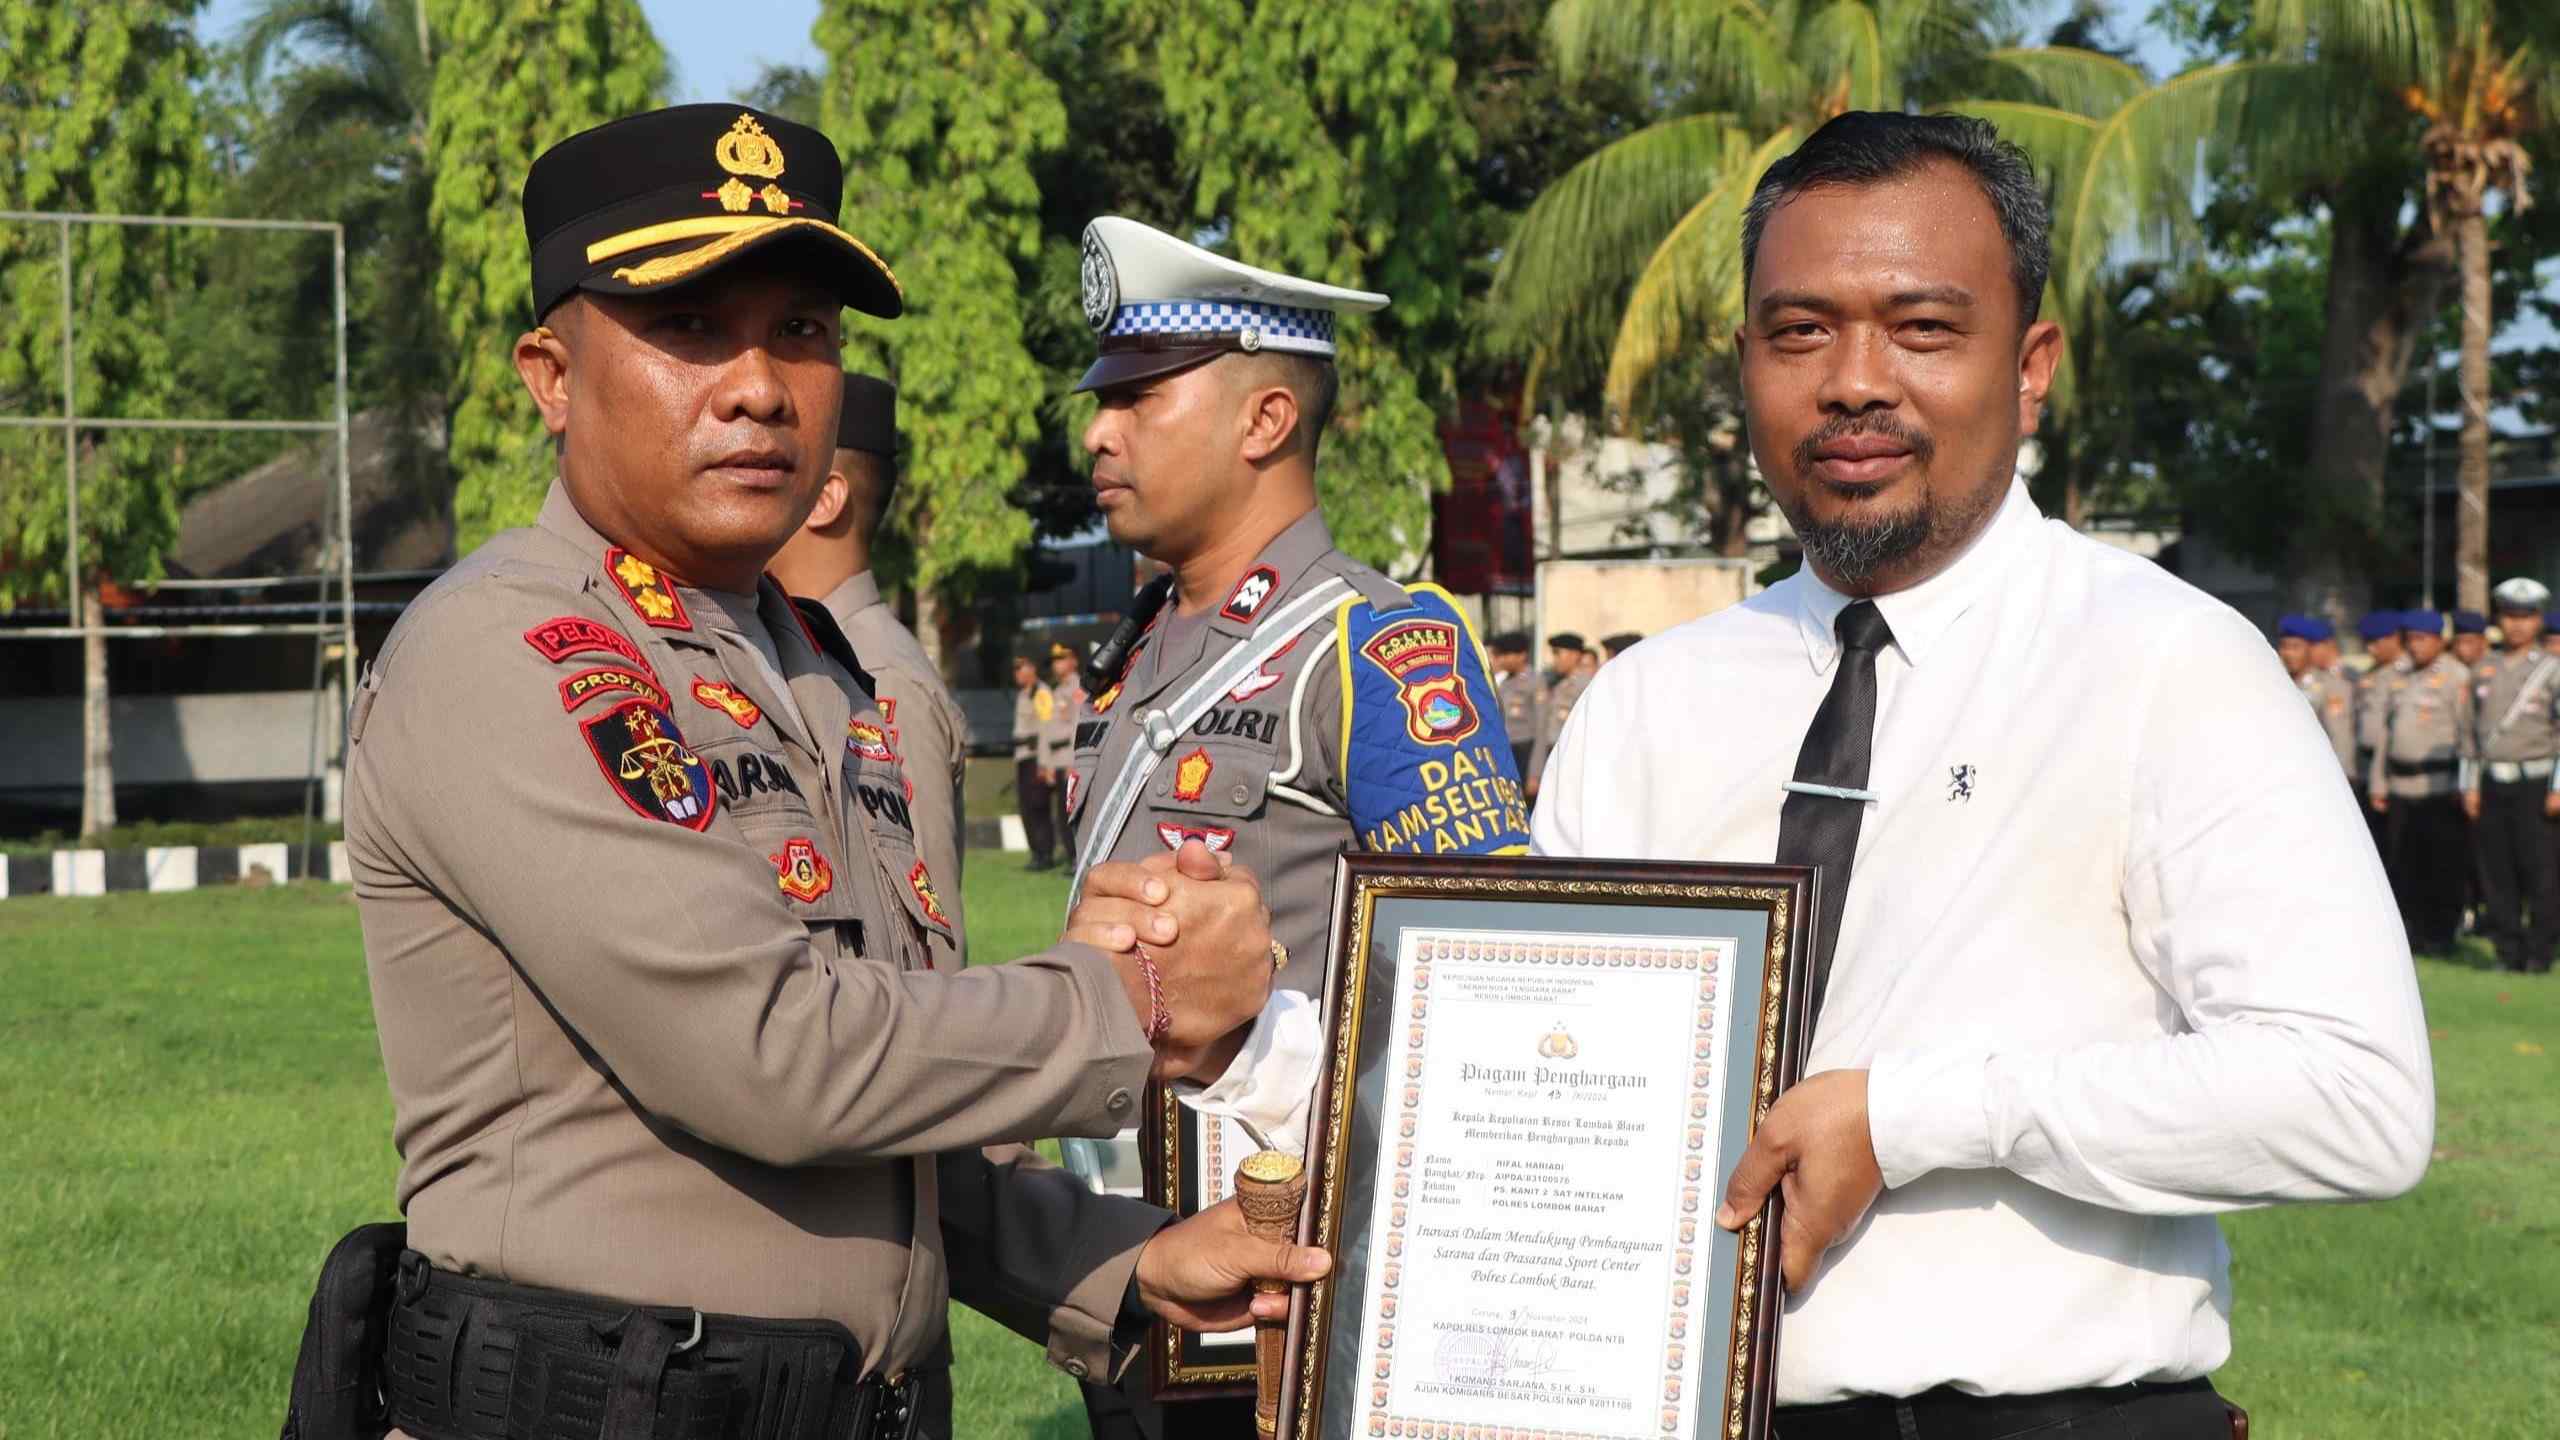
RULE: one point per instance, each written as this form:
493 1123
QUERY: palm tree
2383 103
1635 254
2476 119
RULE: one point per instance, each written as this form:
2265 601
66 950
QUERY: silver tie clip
1836 792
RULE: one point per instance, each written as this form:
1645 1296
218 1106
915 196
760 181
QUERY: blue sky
717 48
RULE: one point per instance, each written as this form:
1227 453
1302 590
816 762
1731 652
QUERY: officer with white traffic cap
2514 789
1271 698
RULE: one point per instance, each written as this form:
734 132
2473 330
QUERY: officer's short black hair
1865 147
1566 640
1620 643
1312 379
1509 642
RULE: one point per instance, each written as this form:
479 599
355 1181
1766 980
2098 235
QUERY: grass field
195 1110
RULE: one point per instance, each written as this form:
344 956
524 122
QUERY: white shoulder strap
1166 725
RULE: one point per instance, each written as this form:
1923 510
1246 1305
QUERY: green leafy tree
942 115
322 115
2396 118
1327 141
512 78
97 114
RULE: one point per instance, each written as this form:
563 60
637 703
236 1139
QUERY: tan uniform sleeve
2377 735
1058 733
670 953
1030 1247
2466 730
2339 721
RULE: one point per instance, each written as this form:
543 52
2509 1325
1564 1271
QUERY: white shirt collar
1926 611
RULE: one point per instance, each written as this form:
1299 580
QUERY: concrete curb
165 868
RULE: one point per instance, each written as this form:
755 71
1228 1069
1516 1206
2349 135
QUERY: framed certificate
1539 1076
1193 1159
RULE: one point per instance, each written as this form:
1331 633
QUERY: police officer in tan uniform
2513 795
1524 695
1574 669
829 559
2423 739
1035 766
1058 741
2298 638
2380 631
1282 702
697 1133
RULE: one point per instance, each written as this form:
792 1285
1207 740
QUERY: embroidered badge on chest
562 636
598 680
1264 678
1216 837
867 740
1075 788
1191 775
1422 657
1250 593
800 871
920 880
729 700
1102 703
648 591
644 756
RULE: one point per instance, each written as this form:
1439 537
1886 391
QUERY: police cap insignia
1101 282
649 591
659 198
562 636
644 758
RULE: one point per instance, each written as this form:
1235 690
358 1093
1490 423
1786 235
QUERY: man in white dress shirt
2116 953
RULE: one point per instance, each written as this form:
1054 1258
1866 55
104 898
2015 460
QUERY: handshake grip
1191 939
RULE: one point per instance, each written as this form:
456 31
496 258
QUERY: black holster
337 1374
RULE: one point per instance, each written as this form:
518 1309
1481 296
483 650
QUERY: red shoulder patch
562 636
649 592
598 680
1250 594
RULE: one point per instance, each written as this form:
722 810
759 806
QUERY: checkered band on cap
1266 327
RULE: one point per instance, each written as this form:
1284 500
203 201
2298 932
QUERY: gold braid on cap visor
736 232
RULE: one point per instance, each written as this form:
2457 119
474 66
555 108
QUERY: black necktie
1815 829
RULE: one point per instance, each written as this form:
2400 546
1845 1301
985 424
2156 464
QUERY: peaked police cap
657 199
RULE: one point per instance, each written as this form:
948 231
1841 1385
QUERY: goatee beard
1850 553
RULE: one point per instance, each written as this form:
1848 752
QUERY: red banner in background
1480 530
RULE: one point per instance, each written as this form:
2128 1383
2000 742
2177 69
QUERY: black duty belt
1948 1412
476 1359
2421 767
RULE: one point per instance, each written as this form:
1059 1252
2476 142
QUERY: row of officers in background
2454 745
